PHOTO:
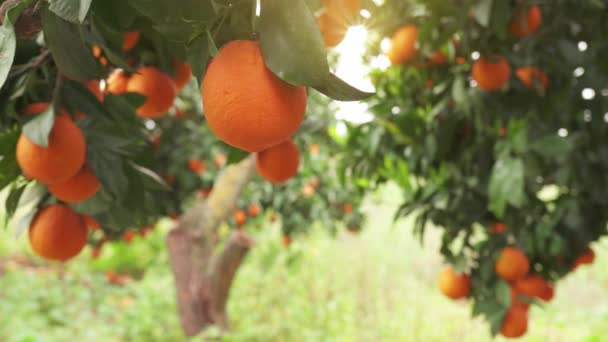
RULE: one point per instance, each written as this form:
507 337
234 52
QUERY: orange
130 39
197 166
347 208
245 104
515 322
521 27
314 149
534 286
117 82
240 216
332 30
96 51
512 264
454 285
60 160
586 258
128 236
308 190
497 228
219 160
403 45
90 222
35 108
343 10
530 75
438 58
491 74
253 210
286 240
57 233
278 163
78 188
158 88
93 86
183 73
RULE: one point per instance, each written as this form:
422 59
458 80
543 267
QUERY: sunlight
351 69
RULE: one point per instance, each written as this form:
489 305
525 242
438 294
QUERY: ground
375 286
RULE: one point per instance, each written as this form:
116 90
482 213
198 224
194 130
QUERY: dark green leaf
503 293
506 185
38 129
72 56
198 56
12 200
71 10
9 170
339 90
291 43
151 175
8 40
235 155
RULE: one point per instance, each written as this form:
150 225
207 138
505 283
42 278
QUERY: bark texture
203 276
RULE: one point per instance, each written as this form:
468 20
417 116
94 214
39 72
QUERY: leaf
518 135
97 204
339 90
198 56
38 129
8 40
459 92
9 170
12 200
151 175
503 293
291 42
235 155
482 12
71 10
72 56
24 222
506 185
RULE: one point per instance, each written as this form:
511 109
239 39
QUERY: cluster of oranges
492 72
240 215
513 266
250 108
335 18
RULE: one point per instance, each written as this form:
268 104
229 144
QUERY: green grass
376 286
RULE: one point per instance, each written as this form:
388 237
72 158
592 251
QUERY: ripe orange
347 208
491 74
521 27
530 75
308 190
534 286
586 258
95 253
286 240
219 160
128 236
57 233
438 58
78 188
35 108
93 86
58 162
253 210
454 285
512 264
497 228
117 82
96 49
159 89
516 301
515 323
90 222
240 216
278 163
314 149
183 73
197 166
245 104
403 45
130 39
332 29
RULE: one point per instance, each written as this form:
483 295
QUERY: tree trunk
203 277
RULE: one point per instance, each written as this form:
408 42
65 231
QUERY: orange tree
493 123
102 133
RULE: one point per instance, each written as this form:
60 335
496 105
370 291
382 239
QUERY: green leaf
339 90
291 43
38 129
8 40
506 185
235 155
518 135
459 91
12 200
482 12
97 204
71 10
503 293
151 175
198 56
72 56
24 222
9 170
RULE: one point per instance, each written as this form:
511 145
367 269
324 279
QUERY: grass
375 286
